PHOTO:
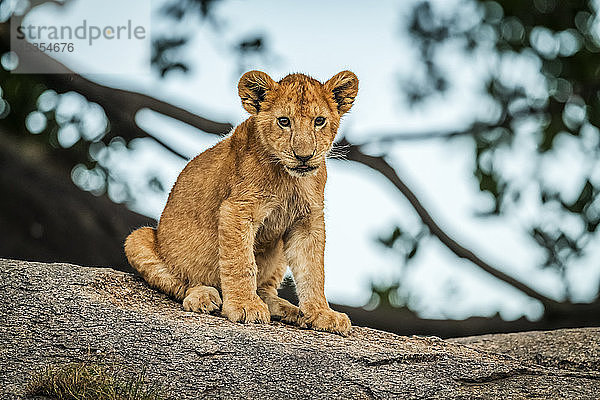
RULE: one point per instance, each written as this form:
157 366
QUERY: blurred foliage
404 242
385 296
397 294
71 127
169 45
77 130
164 55
539 69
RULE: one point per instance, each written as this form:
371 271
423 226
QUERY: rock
59 313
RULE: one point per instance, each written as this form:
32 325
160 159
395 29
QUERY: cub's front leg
304 246
237 265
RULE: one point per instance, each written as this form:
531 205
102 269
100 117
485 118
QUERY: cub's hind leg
203 299
271 269
140 249
280 309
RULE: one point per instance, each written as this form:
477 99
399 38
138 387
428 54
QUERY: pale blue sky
124 54
322 38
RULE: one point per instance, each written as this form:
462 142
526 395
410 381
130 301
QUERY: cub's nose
302 158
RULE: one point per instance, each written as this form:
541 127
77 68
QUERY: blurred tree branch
379 164
505 121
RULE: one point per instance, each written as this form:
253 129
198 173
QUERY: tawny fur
239 213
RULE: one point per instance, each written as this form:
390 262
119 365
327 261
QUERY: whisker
338 152
275 160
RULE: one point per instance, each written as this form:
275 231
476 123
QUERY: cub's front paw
203 299
288 313
325 319
252 310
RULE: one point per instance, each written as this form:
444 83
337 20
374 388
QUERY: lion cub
245 209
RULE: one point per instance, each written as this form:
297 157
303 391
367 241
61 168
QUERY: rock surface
58 313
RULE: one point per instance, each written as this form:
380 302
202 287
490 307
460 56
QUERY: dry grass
86 381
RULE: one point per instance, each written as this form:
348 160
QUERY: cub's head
298 117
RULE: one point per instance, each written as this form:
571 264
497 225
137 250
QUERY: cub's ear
344 87
252 89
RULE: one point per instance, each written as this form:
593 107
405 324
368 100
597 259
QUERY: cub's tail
140 249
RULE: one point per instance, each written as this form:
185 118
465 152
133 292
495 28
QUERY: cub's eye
319 121
283 122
